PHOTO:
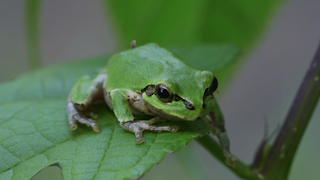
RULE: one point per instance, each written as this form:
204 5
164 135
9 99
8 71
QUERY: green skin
131 84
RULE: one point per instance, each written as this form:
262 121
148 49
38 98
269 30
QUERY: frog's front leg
215 121
82 96
120 101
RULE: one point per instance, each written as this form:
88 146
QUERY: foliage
34 128
176 22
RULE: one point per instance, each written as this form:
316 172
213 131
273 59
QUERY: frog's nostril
189 105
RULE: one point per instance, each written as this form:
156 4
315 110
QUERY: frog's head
182 97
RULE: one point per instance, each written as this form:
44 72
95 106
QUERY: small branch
32 33
278 161
242 170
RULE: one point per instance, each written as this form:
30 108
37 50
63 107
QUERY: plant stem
32 33
242 170
279 160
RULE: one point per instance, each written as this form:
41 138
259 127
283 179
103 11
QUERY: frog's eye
209 91
163 93
214 85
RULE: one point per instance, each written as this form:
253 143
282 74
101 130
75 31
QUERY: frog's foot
83 120
137 127
230 160
224 142
74 116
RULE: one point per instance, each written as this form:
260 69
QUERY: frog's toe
73 126
174 128
231 160
139 140
96 129
86 121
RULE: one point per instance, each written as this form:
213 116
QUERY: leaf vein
105 152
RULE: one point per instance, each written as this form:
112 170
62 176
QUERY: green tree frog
150 80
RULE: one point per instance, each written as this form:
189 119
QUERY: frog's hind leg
215 121
83 94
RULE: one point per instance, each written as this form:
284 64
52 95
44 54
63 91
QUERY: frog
150 80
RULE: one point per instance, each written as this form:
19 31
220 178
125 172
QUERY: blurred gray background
263 89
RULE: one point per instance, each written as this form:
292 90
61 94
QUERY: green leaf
176 22
34 130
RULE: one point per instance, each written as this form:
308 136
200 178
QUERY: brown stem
280 158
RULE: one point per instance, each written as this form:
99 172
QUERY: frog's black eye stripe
149 90
177 97
163 93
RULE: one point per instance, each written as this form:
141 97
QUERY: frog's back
149 64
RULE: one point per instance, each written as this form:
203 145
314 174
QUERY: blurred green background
278 40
